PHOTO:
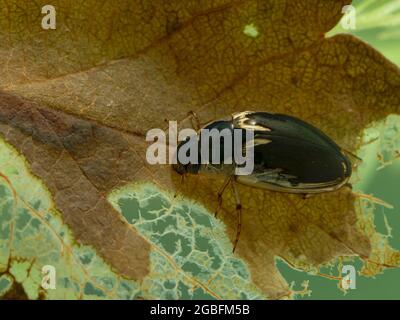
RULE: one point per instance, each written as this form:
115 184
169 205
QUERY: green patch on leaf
33 235
191 256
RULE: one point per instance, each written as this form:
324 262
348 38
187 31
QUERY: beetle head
184 168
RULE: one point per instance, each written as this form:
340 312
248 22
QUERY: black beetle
290 155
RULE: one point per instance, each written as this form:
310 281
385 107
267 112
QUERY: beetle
290 155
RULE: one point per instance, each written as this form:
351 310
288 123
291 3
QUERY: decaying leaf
77 101
34 240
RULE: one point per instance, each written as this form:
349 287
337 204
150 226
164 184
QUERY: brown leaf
79 161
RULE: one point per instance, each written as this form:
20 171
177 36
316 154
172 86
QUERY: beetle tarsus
239 215
219 204
193 116
239 226
220 193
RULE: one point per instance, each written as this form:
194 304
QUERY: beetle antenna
195 120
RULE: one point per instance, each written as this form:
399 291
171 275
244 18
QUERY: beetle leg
193 116
220 193
352 154
182 181
348 185
239 214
